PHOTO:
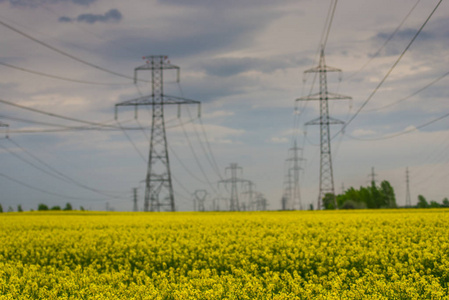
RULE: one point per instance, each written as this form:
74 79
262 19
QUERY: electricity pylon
233 180
295 193
373 177
250 192
287 196
200 198
135 207
158 182
408 202
326 172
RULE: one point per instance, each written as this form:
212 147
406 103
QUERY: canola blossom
367 254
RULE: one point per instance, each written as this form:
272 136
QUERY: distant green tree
445 202
19 208
68 206
387 192
367 197
82 208
434 204
329 201
10 209
42 206
1 208
422 202
56 207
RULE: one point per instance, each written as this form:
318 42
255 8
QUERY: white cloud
363 132
279 140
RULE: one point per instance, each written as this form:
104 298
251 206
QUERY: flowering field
390 254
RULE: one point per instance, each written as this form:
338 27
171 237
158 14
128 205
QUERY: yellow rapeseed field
388 254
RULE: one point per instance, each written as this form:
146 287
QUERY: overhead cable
60 77
386 41
390 70
45 191
59 174
402 132
63 52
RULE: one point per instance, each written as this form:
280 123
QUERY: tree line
373 197
43 207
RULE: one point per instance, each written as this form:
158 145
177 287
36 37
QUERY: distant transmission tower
287 196
251 205
295 193
408 202
326 172
200 198
233 181
158 183
135 207
373 177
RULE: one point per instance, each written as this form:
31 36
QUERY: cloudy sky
244 60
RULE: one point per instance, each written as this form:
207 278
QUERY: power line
60 77
330 24
59 174
386 41
45 191
411 95
207 152
402 132
390 70
197 159
63 52
55 115
132 143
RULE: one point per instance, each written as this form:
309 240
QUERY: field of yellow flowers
389 254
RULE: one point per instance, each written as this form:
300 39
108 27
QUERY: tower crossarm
328 96
320 121
322 69
150 100
156 61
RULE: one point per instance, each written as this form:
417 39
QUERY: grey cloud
224 67
35 3
434 35
216 31
65 20
112 16
235 4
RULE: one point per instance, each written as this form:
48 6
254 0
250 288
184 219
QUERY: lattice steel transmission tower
135 207
200 198
233 180
296 192
326 172
158 183
373 177
408 201
250 192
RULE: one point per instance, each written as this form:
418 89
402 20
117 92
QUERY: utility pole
200 197
135 208
295 194
233 180
326 172
408 202
158 183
